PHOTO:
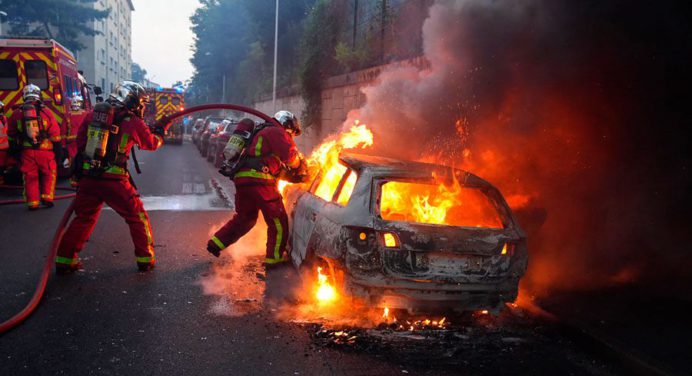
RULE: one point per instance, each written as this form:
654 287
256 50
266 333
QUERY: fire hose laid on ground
165 123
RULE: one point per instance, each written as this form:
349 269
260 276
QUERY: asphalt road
196 315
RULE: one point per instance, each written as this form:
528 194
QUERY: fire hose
164 123
20 201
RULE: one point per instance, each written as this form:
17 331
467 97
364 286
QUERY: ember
325 291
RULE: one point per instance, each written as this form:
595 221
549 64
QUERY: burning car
409 235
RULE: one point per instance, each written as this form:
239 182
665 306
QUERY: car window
8 75
347 190
163 99
427 202
36 73
336 181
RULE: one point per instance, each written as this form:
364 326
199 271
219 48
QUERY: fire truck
52 67
166 101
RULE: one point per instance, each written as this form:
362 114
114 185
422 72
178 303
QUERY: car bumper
424 296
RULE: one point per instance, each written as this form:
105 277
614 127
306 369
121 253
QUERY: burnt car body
428 267
218 141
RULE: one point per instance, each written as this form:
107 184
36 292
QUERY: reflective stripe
258 147
65 260
147 229
116 170
254 174
274 261
123 142
218 242
279 238
33 204
145 260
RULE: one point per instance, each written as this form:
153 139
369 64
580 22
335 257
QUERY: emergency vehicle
166 101
53 68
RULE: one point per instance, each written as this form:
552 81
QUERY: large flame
325 291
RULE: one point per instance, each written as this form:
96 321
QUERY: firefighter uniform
256 190
37 162
114 188
4 147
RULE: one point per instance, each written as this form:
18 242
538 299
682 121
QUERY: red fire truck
166 101
53 68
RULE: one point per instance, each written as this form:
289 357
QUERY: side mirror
97 90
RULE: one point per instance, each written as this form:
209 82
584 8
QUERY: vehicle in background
363 224
198 136
218 141
197 130
210 129
53 68
164 102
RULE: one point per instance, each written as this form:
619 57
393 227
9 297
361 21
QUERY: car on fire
408 235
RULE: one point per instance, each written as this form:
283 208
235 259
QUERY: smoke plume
573 110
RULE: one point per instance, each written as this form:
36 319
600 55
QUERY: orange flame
325 292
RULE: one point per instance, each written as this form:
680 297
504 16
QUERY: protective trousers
40 172
123 198
249 200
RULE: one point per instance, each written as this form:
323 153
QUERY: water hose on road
21 201
165 123
43 280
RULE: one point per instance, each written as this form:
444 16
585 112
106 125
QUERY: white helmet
289 121
31 93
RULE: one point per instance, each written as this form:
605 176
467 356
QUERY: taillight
57 96
508 249
391 240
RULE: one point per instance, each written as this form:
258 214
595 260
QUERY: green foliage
235 39
62 20
350 59
319 41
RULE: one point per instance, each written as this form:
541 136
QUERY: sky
162 39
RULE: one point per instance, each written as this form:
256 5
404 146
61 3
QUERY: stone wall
341 94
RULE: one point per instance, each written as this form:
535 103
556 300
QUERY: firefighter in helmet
261 154
4 143
105 140
34 133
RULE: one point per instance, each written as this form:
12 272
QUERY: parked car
211 127
175 133
197 130
205 126
375 246
218 141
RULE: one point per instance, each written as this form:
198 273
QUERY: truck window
69 90
8 75
163 99
36 73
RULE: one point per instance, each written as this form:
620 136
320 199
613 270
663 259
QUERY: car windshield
442 204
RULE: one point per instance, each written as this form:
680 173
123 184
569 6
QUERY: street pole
276 52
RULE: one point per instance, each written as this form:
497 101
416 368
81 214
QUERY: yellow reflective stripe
147 228
218 242
65 260
279 238
254 174
273 261
258 147
145 260
123 142
116 170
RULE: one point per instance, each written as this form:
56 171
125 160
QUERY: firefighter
105 140
4 143
261 153
34 132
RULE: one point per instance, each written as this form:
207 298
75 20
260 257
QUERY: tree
62 20
139 74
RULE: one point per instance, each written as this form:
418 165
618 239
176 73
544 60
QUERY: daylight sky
162 39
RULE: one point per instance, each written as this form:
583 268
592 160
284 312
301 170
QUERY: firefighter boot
213 248
145 266
65 269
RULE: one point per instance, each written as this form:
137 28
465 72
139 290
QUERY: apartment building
107 58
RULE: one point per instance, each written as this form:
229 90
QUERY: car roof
384 167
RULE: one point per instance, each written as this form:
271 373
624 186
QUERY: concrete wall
341 94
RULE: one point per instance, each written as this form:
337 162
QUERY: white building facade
107 57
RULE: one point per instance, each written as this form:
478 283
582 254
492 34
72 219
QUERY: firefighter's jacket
48 126
275 148
131 131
